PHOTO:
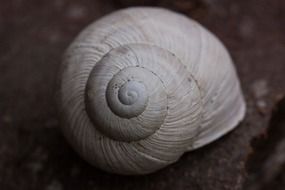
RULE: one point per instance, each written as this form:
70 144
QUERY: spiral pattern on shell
142 86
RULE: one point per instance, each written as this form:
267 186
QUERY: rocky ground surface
33 153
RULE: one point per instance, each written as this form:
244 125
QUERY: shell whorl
153 77
136 91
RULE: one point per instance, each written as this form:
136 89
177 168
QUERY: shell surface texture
142 86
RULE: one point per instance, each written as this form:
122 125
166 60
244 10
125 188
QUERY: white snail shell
142 86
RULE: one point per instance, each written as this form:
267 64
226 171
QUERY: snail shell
142 86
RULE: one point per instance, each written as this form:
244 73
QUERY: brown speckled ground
33 153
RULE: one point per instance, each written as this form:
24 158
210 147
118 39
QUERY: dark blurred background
34 154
